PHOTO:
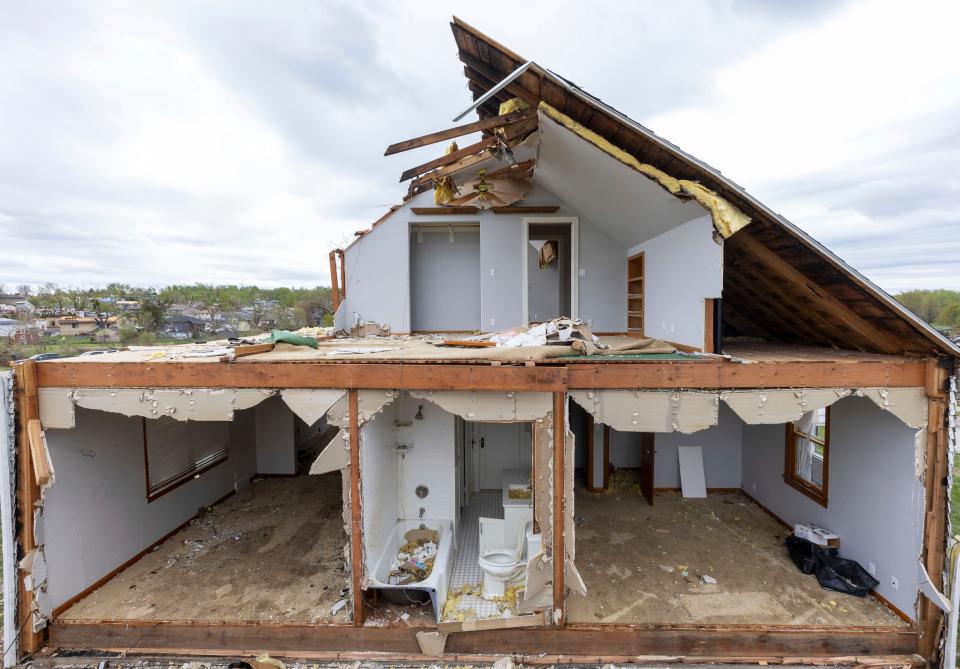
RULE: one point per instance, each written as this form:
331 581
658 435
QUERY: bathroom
428 476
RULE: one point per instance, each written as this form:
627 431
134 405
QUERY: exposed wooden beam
356 517
493 78
450 158
696 643
334 284
28 491
797 278
38 453
460 131
518 209
558 549
447 170
894 373
443 211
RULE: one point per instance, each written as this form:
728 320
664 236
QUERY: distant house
25 334
76 325
105 336
128 305
189 325
15 304
8 326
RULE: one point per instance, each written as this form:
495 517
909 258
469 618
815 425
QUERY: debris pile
414 560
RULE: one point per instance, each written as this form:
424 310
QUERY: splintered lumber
534 620
460 131
450 158
38 453
251 349
468 343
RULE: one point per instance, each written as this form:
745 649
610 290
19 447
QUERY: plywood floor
273 552
632 557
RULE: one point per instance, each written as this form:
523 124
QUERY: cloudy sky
236 142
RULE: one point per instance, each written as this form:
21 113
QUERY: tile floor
466 570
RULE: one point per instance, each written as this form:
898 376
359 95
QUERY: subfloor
273 552
643 564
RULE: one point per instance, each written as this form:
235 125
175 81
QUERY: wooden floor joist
725 643
669 374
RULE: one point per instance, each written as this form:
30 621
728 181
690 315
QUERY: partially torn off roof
779 283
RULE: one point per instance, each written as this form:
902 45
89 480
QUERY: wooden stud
449 158
589 450
934 526
334 287
38 453
709 312
559 555
356 517
28 491
343 266
460 131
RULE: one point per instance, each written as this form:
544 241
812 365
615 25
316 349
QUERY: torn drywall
206 404
907 404
369 404
311 404
490 406
650 411
774 407
335 456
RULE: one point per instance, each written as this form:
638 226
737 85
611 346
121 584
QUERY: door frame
574 223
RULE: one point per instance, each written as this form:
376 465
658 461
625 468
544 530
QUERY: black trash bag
842 575
801 552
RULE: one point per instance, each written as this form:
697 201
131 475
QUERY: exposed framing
819 495
574 223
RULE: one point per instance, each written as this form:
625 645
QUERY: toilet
502 559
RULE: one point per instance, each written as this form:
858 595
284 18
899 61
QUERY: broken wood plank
244 350
356 516
460 131
443 211
559 551
449 158
468 343
38 453
420 183
475 625
517 209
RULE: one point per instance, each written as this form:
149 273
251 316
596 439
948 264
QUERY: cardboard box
816 535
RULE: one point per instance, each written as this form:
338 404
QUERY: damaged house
603 386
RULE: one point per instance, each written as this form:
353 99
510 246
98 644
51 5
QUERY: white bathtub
436 583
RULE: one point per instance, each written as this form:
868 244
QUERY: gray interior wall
543 287
721 444
378 271
682 267
875 501
276 438
445 280
97 516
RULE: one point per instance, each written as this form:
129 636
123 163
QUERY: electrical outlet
493 272
582 272
872 568
493 322
894 582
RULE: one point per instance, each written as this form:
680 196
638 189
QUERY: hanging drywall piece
543 479
206 404
651 410
335 456
778 406
56 408
489 406
369 404
572 578
907 404
311 404
692 481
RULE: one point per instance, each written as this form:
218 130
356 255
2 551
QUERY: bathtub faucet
422 511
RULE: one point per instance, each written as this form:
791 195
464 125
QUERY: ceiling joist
450 158
460 131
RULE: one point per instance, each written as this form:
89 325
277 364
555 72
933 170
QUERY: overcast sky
237 142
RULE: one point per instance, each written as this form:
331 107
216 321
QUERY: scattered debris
414 560
708 579
336 608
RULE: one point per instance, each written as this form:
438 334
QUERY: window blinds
176 451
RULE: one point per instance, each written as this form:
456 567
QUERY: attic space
212 521
652 549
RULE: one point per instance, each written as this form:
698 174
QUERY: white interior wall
682 267
379 484
97 516
430 462
721 444
445 280
875 501
276 438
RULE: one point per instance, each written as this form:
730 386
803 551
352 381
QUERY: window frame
820 495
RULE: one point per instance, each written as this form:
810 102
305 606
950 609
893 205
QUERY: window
177 451
808 454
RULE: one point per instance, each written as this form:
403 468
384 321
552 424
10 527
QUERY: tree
153 310
950 315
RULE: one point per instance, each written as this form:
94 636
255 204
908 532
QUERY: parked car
99 352
41 356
